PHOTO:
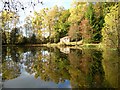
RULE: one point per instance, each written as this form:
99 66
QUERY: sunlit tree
110 29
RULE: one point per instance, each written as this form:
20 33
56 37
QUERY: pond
42 67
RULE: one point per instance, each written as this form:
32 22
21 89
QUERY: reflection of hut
65 50
65 39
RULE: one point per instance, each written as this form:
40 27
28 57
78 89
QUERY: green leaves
96 19
90 13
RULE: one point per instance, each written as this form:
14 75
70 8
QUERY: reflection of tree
111 67
55 70
82 67
4 53
58 66
79 68
32 62
74 69
10 70
86 69
96 70
15 55
10 62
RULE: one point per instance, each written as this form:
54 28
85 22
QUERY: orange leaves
86 30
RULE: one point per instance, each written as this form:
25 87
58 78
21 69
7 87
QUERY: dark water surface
42 67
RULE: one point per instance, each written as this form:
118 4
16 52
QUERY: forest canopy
91 22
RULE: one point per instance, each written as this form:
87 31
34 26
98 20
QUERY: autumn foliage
86 31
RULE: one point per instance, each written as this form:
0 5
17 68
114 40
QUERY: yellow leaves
8 15
39 32
112 17
77 12
109 32
108 20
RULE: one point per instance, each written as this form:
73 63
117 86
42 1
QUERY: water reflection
79 68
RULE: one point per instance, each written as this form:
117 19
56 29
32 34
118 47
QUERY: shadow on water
85 68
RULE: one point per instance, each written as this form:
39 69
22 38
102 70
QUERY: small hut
65 39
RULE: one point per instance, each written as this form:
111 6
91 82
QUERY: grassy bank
74 45
68 44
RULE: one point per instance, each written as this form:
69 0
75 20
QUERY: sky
46 3
37 7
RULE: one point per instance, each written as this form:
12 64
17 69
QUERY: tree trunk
118 30
119 39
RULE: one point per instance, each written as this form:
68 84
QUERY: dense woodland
94 23
90 22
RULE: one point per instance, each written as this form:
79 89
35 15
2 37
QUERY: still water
42 67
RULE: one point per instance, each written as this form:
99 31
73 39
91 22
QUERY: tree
33 39
9 20
119 30
110 29
37 25
99 21
16 36
86 31
61 28
77 13
28 26
90 14
96 19
74 32
4 38
52 18
51 23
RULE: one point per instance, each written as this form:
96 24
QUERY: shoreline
59 45
54 44
70 45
